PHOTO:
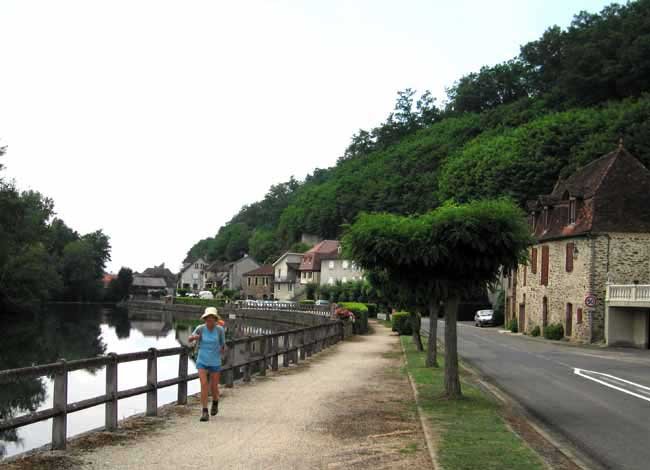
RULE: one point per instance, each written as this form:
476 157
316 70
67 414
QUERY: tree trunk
415 326
432 349
452 380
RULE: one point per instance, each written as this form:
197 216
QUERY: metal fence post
152 382
183 360
111 392
60 403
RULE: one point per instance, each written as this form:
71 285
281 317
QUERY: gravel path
347 407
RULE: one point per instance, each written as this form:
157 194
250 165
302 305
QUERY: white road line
592 375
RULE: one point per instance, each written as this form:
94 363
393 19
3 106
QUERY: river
75 332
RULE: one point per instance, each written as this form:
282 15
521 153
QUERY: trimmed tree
449 251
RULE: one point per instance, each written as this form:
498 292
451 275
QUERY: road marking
616 383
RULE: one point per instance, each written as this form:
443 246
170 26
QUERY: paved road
605 416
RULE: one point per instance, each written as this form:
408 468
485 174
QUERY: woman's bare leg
214 383
203 378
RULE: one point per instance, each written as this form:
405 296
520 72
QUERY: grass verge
471 432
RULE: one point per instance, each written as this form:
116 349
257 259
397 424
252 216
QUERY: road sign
590 301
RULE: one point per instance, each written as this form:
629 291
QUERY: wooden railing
628 292
245 356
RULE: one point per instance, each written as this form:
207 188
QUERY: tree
263 245
455 249
120 286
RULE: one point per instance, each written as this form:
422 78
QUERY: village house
258 283
228 275
589 268
191 276
323 264
163 272
337 269
286 282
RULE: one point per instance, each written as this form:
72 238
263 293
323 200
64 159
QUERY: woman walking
211 343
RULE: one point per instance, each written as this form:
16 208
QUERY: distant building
191 276
286 279
325 265
161 271
148 286
258 283
589 269
228 275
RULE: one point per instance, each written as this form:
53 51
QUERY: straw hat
210 312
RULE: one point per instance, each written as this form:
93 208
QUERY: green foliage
182 292
263 245
513 326
401 323
200 302
307 302
119 287
499 308
372 310
535 331
554 331
360 311
310 291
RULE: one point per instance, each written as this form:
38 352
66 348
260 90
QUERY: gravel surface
347 407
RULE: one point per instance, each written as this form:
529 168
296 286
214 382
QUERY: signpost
590 301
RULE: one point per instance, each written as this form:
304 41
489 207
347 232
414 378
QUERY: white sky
156 120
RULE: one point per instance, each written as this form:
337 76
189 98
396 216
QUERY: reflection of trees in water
41 337
118 318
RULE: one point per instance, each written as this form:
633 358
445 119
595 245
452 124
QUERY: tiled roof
611 193
264 270
323 250
147 281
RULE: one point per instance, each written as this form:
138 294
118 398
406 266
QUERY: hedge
372 310
307 302
401 323
199 302
360 314
512 325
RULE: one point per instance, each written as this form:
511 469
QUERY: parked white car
484 317
206 294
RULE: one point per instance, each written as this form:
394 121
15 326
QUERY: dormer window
533 221
572 211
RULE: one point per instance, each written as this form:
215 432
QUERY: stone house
161 271
192 274
592 236
258 283
286 282
228 275
310 265
337 269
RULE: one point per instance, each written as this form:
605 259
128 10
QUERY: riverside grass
472 434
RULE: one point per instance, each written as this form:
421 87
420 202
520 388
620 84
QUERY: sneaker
215 407
204 415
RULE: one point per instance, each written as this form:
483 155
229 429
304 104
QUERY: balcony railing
632 293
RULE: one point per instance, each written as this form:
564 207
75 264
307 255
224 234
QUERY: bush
535 331
360 314
401 323
307 302
372 310
512 325
554 331
181 292
199 302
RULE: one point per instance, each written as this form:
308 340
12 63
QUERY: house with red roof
257 284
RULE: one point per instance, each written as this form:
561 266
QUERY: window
195 275
196 265
256 280
545 262
330 281
345 279
572 211
532 220
331 264
249 282
533 261
525 273
579 315
345 264
570 248
309 274
547 218
544 312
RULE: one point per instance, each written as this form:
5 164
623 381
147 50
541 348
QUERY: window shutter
545 261
569 257
533 261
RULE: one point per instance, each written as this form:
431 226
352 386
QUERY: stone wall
625 256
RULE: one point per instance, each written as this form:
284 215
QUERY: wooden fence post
275 350
265 363
183 360
285 357
296 356
247 366
302 345
60 403
110 410
230 376
152 382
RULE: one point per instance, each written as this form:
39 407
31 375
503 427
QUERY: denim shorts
210 369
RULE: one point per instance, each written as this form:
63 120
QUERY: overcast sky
156 120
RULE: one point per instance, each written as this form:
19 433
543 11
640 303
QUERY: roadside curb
426 428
